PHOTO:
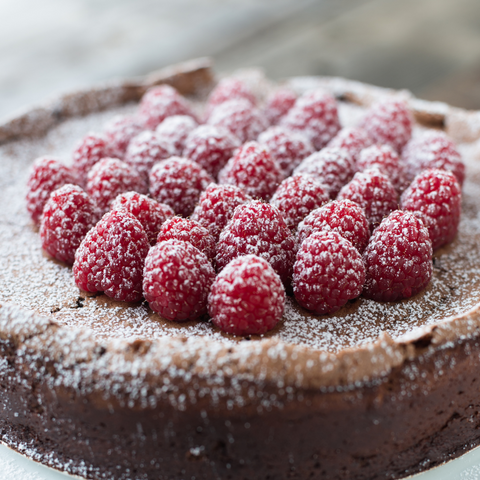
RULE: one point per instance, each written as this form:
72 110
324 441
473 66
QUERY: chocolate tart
104 389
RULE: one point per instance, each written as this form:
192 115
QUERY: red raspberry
352 139
398 258
189 231
373 191
315 114
110 177
229 88
46 175
287 147
177 280
111 257
178 182
162 102
297 196
173 131
279 103
145 150
239 117
333 167
389 122
247 297
258 228
433 149
342 216
253 170
216 206
118 133
90 150
438 196
146 210
329 271
211 147
68 216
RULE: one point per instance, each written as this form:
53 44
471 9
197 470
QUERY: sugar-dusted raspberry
239 117
286 146
146 210
247 297
258 228
188 231
111 257
174 131
352 139
333 167
118 133
46 175
374 192
145 150
398 258
253 170
216 206
67 217
90 150
438 196
297 196
211 147
279 103
342 216
161 102
177 280
110 177
433 149
389 121
178 182
328 272
229 88
315 114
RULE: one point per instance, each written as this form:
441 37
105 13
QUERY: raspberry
90 150
178 182
433 149
67 217
438 196
173 131
189 231
118 133
211 147
389 122
373 191
239 117
146 210
145 150
111 257
315 114
333 167
279 103
329 271
297 196
46 175
159 103
253 170
398 258
287 147
110 177
247 297
258 228
342 216
352 139
229 88
177 280
216 206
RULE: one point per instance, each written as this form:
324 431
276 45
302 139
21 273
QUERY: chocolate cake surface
105 389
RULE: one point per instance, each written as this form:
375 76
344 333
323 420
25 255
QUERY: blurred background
431 47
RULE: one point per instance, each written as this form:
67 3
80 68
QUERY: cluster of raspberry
227 213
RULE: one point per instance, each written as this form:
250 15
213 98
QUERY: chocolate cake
105 389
